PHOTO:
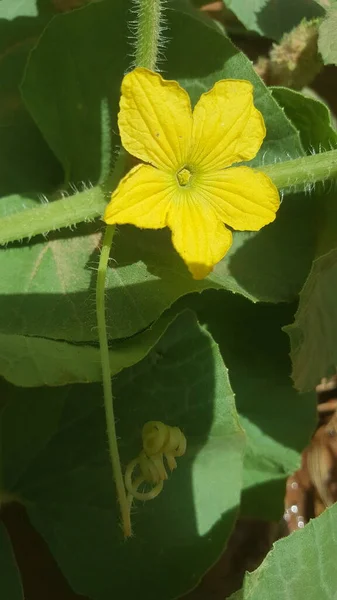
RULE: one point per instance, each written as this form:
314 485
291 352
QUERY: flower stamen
184 176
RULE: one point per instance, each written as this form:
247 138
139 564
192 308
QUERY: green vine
90 204
304 171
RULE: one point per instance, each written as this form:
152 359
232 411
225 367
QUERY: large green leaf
67 486
273 18
278 421
310 116
10 582
327 44
34 361
12 10
325 3
301 565
43 10
313 333
26 162
21 444
73 93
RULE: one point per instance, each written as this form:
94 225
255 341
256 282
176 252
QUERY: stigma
184 176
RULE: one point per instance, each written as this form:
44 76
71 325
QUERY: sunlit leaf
327 43
300 565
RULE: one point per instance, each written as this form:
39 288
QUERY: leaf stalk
106 377
304 171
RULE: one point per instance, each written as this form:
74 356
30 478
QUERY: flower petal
142 198
197 234
243 198
155 119
227 128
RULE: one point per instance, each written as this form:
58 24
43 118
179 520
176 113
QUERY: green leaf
43 9
300 565
247 14
10 10
278 421
10 582
311 117
32 361
26 162
326 3
68 489
327 43
273 18
14 204
80 125
36 8
313 332
32 420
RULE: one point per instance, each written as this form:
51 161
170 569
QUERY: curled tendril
159 441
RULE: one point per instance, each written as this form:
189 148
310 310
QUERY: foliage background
214 363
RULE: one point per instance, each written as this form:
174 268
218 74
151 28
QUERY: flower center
184 176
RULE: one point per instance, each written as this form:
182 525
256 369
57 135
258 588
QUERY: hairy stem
88 205
303 171
83 206
106 376
148 32
50 216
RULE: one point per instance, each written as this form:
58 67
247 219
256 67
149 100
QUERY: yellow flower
186 183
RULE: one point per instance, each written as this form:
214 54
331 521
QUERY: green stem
83 206
50 216
148 33
106 377
304 171
88 205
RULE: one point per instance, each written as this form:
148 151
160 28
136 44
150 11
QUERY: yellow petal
227 128
242 197
155 119
142 198
197 234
